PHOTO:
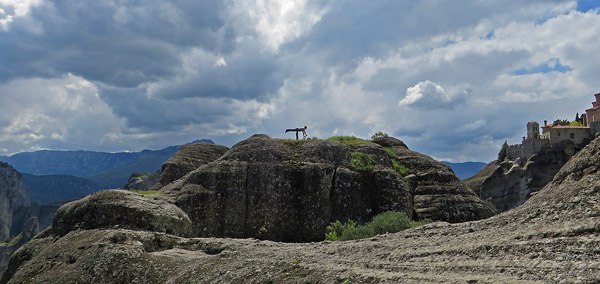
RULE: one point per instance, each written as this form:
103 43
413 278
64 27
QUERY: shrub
379 134
386 222
362 162
348 140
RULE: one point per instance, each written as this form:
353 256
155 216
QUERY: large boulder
188 158
286 190
110 208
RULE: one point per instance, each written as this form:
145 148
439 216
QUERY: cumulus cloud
426 95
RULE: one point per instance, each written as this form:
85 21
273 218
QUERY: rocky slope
553 238
290 191
510 183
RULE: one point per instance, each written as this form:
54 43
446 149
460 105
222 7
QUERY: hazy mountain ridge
52 188
108 170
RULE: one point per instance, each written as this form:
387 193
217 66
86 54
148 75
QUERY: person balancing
303 130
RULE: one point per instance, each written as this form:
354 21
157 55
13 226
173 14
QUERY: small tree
503 152
379 134
561 122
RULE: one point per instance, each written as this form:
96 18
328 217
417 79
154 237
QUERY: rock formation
510 183
13 197
125 209
290 191
188 158
554 237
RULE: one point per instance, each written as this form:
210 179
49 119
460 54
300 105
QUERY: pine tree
503 152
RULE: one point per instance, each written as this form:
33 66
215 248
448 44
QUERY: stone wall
560 134
532 146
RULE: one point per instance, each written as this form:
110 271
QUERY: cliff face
511 183
553 237
287 191
13 197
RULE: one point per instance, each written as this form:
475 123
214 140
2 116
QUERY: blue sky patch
550 66
586 5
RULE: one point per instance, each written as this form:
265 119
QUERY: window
572 135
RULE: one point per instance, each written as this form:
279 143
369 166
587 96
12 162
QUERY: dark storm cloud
122 45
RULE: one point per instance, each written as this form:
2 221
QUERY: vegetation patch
348 140
292 142
12 242
576 123
146 192
391 151
362 162
386 222
400 168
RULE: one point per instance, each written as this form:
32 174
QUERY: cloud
427 95
9 9
160 73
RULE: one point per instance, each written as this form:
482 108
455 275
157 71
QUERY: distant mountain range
54 188
106 170
465 170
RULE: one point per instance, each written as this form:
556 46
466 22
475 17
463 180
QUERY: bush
387 222
379 134
362 162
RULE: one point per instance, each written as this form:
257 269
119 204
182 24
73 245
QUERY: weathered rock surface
510 183
553 238
143 181
13 197
287 191
437 193
109 208
188 158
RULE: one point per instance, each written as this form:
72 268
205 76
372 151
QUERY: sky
452 79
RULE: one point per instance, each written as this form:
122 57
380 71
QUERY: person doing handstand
303 130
